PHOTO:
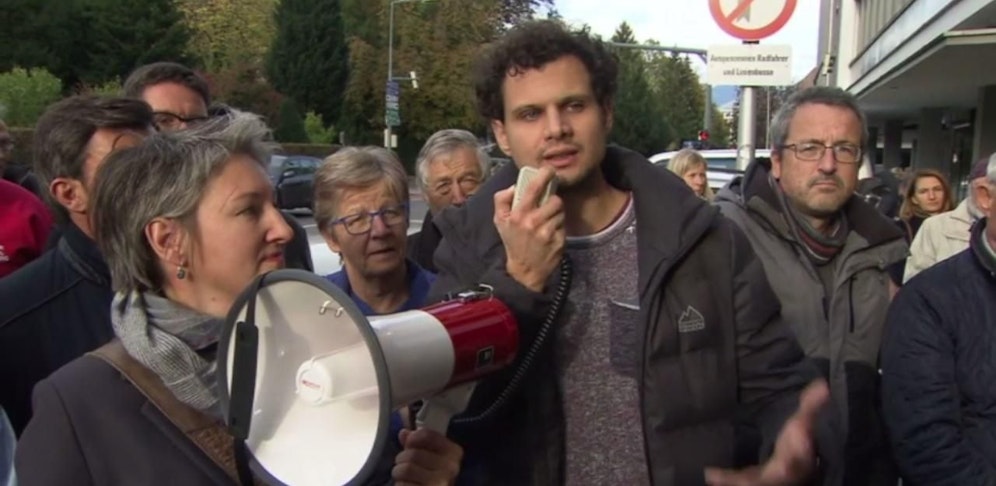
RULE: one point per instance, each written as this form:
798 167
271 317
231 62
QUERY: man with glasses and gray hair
825 253
938 365
449 169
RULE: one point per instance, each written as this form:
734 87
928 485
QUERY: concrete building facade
924 71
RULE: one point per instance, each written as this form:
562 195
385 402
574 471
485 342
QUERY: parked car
293 177
722 164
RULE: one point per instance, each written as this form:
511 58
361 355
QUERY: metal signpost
749 64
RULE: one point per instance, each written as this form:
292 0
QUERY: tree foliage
316 129
767 102
290 126
244 87
660 101
24 94
308 60
719 130
439 41
639 124
90 41
224 33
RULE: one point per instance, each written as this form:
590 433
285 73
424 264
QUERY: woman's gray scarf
166 337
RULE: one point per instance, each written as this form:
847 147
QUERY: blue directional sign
392 110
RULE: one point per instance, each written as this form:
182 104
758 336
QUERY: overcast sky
687 23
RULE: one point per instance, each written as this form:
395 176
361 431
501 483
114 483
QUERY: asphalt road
327 262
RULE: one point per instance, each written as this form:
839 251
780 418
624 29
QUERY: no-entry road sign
751 19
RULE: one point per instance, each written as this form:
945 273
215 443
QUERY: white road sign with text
749 65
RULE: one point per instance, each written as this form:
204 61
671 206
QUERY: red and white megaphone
309 383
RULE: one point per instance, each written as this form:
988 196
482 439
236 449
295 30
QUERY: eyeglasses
361 223
844 153
467 184
165 120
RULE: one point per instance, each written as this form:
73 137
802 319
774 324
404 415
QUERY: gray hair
444 142
817 95
164 177
351 168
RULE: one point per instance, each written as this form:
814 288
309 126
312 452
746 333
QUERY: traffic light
703 135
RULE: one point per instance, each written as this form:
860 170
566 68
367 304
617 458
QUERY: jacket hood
666 209
755 192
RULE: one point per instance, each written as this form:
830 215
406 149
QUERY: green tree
90 41
290 126
719 129
309 57
681 95
439 40
24 94
229 32
363 116
639 123
316 130
244 87
125 34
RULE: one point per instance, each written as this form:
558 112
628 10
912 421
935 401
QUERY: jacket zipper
651 310
850 301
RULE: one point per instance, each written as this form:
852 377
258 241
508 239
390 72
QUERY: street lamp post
390 66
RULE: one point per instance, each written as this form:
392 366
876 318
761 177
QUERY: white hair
444 142
991 170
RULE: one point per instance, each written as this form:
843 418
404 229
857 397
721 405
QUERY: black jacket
23 176
716 396
939 371
54 309
93 427
297 254
422 245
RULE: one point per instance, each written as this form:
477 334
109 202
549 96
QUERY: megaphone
308 383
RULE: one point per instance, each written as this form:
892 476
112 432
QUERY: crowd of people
779 331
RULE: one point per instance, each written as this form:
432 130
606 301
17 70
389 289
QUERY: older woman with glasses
361 206
186 221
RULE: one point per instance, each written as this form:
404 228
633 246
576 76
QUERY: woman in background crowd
691 166
927 193
361 207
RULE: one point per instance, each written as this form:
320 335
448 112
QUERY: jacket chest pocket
624 337
865 302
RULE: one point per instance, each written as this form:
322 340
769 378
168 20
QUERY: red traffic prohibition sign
738 23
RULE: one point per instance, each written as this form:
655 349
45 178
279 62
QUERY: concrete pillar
932 142
892 144
984 140
872 148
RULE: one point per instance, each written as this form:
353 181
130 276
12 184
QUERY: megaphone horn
326 379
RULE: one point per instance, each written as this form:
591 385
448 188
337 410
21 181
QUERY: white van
722 164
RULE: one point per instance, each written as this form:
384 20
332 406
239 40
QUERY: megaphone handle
438 410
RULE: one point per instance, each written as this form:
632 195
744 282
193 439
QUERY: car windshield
276 165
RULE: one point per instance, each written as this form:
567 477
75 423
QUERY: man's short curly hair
533 45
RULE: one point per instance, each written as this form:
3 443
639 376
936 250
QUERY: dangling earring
181 272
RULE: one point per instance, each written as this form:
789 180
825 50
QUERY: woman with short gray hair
362 207
186 221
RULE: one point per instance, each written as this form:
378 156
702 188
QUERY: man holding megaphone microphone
649 352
